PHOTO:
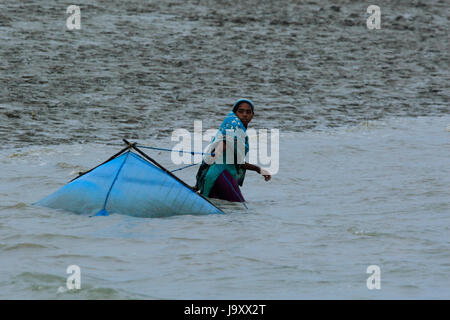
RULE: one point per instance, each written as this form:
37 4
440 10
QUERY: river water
363 175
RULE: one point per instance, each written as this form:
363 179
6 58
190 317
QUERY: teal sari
233 132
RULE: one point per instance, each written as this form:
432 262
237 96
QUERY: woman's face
244 113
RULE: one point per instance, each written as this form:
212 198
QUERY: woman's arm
217 152
252 167
247 166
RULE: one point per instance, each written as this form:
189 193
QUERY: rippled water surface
139 68
364 126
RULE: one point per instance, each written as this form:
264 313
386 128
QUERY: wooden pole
114 156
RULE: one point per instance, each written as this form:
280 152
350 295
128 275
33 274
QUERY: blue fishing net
131 185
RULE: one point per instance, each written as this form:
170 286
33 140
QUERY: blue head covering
237 103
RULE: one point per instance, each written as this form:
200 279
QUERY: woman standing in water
220 176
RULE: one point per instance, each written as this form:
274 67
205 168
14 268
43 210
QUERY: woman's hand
265 174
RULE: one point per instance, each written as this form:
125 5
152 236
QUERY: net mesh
128 185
